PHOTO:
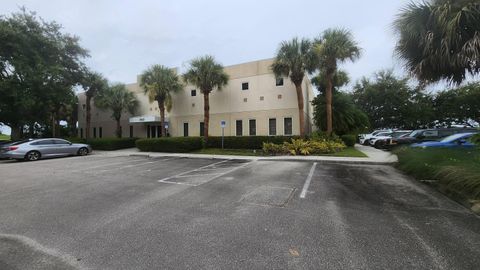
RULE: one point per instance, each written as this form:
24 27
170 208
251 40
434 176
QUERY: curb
319 160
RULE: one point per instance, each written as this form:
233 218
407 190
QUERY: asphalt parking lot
99 212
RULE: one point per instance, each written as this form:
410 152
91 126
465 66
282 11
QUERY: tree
119 100
39 66
294 59
340 78
159 82
206 74
440 39
93 83
390 102
333 47
458 105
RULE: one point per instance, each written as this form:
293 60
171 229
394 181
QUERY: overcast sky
125 37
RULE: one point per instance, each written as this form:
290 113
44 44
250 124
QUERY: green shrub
476 139
111 143
105 143
456 170
170 144
273 149
349 139
245 142
303 147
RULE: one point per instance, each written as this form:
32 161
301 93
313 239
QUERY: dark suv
422 135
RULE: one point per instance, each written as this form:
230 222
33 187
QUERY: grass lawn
348 152
4 137
456 171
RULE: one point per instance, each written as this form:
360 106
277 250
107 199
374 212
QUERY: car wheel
32 156
82 151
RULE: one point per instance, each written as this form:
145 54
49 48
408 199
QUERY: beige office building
254 102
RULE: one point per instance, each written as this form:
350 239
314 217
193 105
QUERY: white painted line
180 174
227 172
307 182
194 175
177 183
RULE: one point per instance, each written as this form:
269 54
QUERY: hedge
107 143
246 142
349 140
170 144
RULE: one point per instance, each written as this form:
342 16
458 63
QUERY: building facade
253 103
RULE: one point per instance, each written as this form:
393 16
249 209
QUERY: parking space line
307 181
193 175
229 171
187 172
177 183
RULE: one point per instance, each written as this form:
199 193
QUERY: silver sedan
35 149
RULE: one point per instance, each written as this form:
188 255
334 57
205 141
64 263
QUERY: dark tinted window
61 142
194 92
245 86
279 81
202 129
430 133
252 126
43 142
131 131
239 128
185 129
272 126
287 124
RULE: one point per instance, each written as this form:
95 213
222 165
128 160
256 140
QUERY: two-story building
254 102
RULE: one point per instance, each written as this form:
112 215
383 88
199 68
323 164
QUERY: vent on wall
193 104
262 98
279 96
245 100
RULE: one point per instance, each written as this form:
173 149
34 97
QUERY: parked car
422 135
380 140
459 140
364 138
34 149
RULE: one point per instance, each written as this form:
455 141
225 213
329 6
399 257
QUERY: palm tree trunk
206 113
301 113
88 117
118 131
328 103
161 106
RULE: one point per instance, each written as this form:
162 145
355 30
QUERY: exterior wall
262 100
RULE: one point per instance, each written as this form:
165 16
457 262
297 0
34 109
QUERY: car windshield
454 137
383 134
415 133
400 134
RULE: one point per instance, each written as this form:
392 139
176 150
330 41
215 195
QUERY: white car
364 138
381 138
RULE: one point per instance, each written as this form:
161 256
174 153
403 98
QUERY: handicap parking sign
223 123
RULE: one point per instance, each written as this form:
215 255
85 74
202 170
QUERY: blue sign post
223 123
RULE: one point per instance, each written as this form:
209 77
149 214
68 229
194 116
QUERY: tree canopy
39 66
440 39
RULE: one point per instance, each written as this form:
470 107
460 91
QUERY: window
159 131
279 96
272 126
121 131
252 127
245 100
131 131
43 142
81 132
193 92
279 81
185 129
245 86
153 131
62 142
83 106
202 129
430 133
261 98
100 132
287 126
239 128
94 132
148 131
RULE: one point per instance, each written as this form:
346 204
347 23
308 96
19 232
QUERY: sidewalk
375 156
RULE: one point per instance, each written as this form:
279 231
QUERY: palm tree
440 39
92 83
159 82
294 59
206 74
119 100
333 47
340 78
